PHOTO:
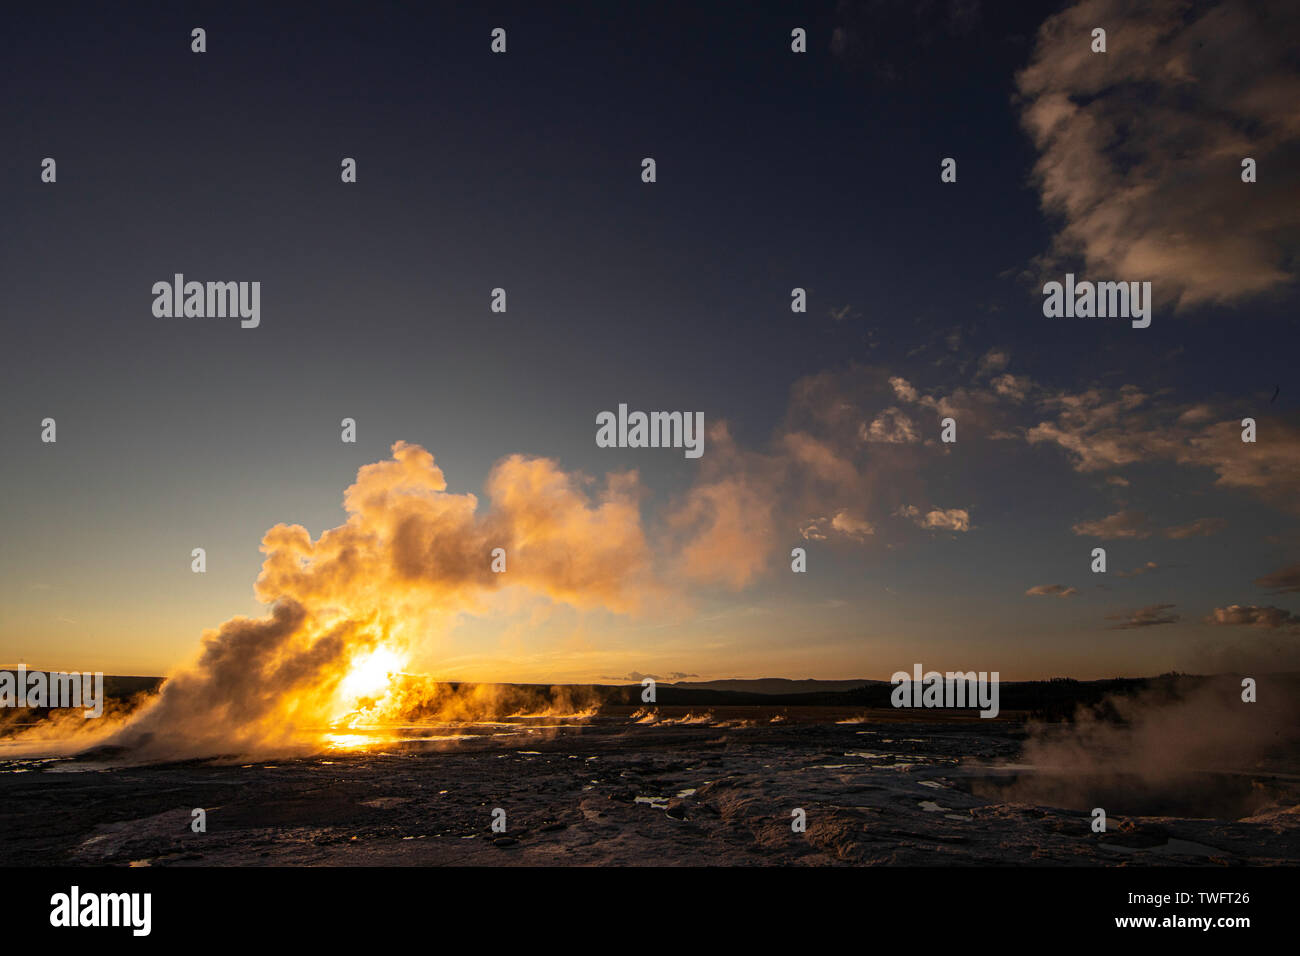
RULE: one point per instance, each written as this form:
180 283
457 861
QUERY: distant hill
1054 699
115 686
773 685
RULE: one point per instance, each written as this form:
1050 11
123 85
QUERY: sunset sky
775 170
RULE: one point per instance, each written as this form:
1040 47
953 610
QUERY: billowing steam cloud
348 607
1140 754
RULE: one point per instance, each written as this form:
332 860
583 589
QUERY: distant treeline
1056 699
115 687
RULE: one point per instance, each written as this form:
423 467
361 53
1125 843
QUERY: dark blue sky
522 171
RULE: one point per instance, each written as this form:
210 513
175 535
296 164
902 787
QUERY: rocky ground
694 789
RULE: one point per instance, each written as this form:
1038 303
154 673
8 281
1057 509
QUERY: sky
775 170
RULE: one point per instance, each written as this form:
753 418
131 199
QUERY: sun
370 675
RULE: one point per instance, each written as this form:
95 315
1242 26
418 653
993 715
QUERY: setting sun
369 676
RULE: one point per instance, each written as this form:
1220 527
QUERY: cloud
818 460
991 362
1137 572
973 406
851 526
1055 590
843 523
1013 387
1143 617
1200 528
1134 524
636 676
893 426
1095 427
903 389
1103 429
846 452
938 519
1255 616
1140 147
1285 581
1122 524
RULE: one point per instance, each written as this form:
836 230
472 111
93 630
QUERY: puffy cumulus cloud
892 425
903 389
843 523
1051 590
1149 616
937 519
974 406
814 529
1104 429
851 526
1095 427
1140 148
1284 581
1122 524
1268 617
1013 387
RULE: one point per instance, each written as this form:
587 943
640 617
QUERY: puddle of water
929 806
78 767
